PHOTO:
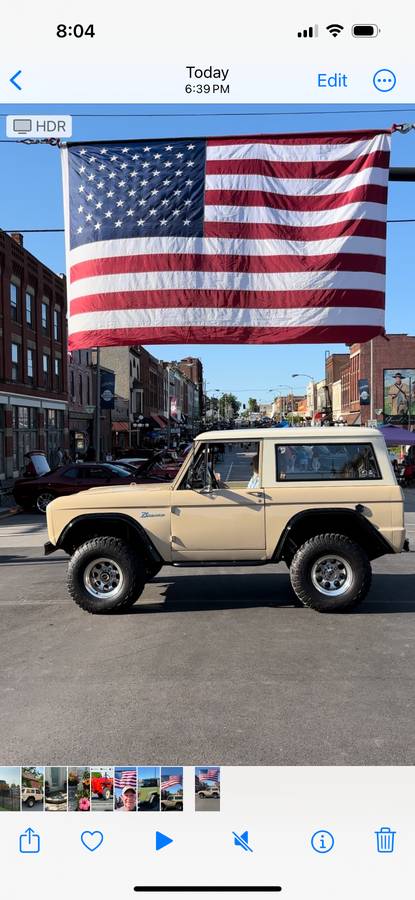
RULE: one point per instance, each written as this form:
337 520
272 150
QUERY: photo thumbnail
102 789
56 788
33 788
79 789
9 789
171 789
207 788
148 791
125 781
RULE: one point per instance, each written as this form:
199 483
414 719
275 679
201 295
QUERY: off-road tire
339 546
133 571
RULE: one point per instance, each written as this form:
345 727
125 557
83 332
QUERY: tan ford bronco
324 501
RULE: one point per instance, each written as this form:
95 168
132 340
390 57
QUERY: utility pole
168 407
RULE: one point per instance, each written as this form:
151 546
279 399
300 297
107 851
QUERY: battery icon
365 31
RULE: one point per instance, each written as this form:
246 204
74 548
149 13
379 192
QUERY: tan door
223 520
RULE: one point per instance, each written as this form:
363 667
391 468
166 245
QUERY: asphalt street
215 663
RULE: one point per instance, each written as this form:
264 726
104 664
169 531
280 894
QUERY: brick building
81 401
33 357
390 352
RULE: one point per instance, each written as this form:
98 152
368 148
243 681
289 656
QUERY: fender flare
153 553
353 514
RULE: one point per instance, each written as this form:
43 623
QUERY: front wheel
105 575
42 501
330 573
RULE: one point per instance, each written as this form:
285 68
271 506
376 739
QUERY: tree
253 405
229 406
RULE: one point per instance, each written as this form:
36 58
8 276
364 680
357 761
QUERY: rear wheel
42 501
330 572
104 575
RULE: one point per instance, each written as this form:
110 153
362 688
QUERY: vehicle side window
102 474
326 462
71 473
231 464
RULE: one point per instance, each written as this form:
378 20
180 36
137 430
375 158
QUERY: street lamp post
310 378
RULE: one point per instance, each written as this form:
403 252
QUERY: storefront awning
120 426
159 421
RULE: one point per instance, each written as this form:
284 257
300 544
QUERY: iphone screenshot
207 451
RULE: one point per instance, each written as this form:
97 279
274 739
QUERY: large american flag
125 778
169 781
254 239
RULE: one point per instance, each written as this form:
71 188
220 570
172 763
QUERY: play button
162 840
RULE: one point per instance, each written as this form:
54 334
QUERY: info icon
322 841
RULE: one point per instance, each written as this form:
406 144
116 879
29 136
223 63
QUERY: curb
9 511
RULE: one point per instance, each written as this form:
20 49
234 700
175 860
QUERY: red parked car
39 485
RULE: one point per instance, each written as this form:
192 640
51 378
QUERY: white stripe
227 281
297 187
211 318
225 246
265 214
292 153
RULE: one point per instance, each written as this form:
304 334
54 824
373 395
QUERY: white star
154 192
146 165
102 167
167 164
155 173
132 193
80 209
97 226
91 177
153 212
187 202
103 151
91 159
82 152
186 221
120 202
88 217
190 163
134 174
142 202
143 182
108 214
82 169
157 156
146 149
100 184
179 172
125 150
169 147
89 196
98 205
190 146
164 202
176 212
121 183
177 193
140 221
110 193
179 155
189 182
123 166
130 212
136 156
166 181
81 189
163 221
113 158
112 175
80 229
118 223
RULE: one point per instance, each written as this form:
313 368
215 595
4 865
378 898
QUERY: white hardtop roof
307 434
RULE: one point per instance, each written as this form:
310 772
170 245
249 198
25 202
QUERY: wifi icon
335 29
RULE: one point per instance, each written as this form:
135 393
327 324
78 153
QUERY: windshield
122 471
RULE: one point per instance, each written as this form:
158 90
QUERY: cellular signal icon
312 31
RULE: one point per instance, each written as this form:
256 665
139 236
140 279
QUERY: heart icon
92 839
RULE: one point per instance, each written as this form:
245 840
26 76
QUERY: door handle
256 493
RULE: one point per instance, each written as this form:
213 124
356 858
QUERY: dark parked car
35 491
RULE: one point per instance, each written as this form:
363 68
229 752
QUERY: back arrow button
13 80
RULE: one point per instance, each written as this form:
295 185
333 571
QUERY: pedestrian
128 797
254 481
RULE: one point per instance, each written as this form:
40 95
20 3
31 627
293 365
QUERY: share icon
241 840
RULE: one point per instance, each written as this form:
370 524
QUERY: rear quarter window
326 462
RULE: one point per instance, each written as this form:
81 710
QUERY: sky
31 197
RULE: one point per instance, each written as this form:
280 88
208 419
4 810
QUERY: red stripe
203 262
372 193
179 335
253 230
293 169
226 299
316 137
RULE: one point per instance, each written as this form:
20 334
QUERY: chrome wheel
332 575
43 501
103 578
